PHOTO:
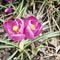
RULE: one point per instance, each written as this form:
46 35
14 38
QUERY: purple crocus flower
10 0
8 10
15 29
32 27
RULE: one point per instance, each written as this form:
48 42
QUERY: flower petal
8 25
20 23
10 0
31 18
17 37
39 29
8 10
29 34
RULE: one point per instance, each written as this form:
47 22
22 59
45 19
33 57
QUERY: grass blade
27 54
9 43
44 37
10 58
3 46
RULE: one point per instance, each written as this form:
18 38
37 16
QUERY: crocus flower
10 0
15 29
8 10
32 27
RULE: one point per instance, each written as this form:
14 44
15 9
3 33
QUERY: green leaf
22 56
17 9
21 5
9 43
45 37
2 6
2 20
54 0
27 54
10 58
5 46
24 11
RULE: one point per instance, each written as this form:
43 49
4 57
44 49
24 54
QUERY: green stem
10 58
18 57
28 55
3 6
17 9
22 56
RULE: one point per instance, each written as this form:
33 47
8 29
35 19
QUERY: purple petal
29 34
31 18
8 10
8 25
17 37
34 23
20 23
34 31
39 29
10 0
